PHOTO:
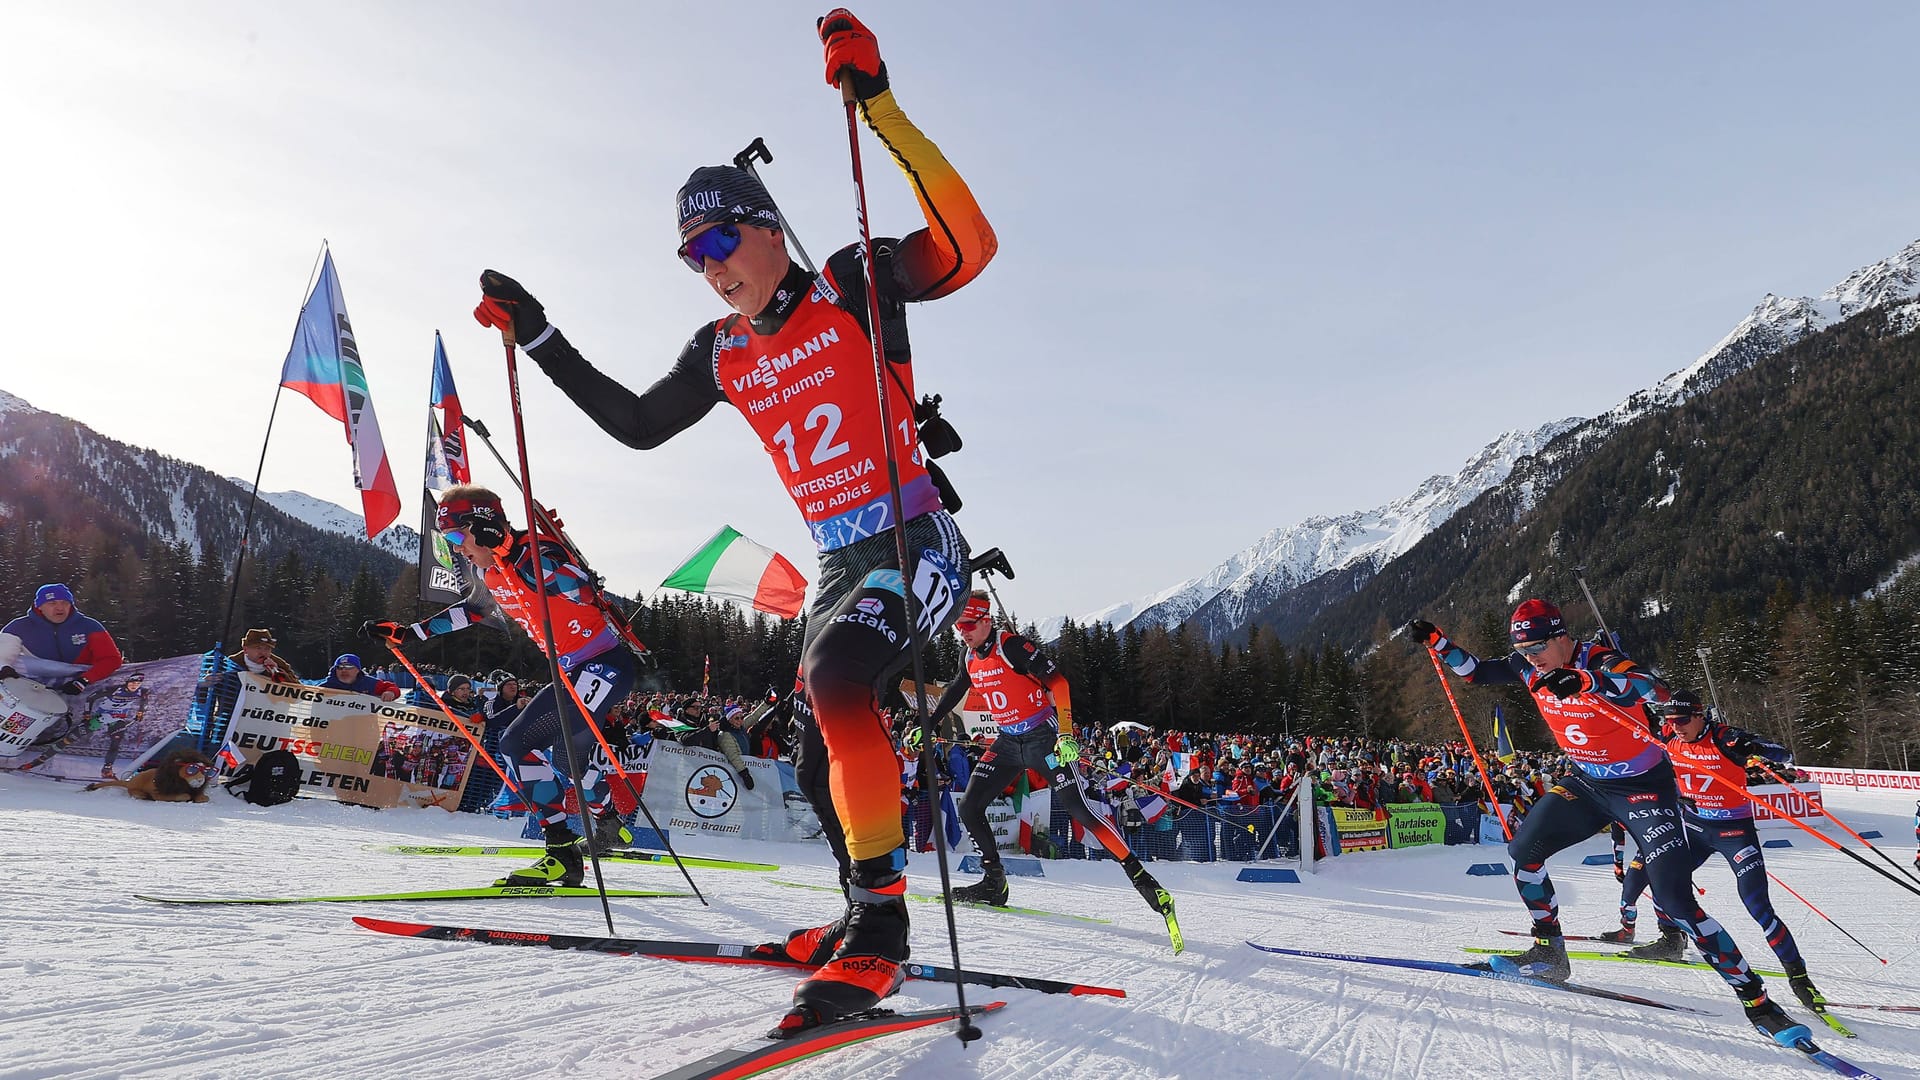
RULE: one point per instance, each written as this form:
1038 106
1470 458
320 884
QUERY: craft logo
710 791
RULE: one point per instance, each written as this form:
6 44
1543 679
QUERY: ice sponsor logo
711 791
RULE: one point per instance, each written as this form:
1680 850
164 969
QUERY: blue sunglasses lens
456 537
718 244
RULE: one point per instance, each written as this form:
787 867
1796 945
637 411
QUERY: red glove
506 306
851 45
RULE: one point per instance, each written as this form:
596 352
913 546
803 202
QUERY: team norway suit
1719 819
1624 777
591 656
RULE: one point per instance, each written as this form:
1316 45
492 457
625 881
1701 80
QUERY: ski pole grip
756 150
847 96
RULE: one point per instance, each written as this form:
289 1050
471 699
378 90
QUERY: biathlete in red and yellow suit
796 360
592 655
1029 699
1588 693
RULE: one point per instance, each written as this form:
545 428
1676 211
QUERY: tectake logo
871 605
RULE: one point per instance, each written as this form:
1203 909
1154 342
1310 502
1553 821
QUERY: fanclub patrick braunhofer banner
353 748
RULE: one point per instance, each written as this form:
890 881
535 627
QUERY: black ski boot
562 864
1671 945
610 833
1148 887
990 889
1546 960
1772 1020
1622 936
1803 988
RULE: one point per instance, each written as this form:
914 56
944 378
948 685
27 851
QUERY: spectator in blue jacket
55 644
347 675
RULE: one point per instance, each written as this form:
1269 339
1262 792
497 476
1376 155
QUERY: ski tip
1097 991
390 926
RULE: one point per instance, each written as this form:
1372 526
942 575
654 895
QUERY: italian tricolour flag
733 567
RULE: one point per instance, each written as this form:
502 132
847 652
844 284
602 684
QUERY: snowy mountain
1775 323
1221 602
60 471
329 517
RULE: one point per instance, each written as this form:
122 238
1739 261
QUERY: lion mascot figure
181 776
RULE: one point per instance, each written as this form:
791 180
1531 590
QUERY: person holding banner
1588 693
1711 758
1028 697
593 656
56 645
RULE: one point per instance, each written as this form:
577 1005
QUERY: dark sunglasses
718 243
1535 649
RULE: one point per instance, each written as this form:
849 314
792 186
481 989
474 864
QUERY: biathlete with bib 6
1587 693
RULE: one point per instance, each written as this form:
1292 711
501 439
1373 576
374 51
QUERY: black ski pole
916 635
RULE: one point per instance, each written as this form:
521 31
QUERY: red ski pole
440 701
546 613
1474 750
1825 916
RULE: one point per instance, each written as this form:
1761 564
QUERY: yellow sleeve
957 242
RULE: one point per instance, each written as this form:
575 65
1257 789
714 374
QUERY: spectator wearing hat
56 645
348 675
256 655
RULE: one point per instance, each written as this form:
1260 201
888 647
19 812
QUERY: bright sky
1258 261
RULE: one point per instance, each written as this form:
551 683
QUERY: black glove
1425 634
383 631
72 686
505 305
1564 683
8 673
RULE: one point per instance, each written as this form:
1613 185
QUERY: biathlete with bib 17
796 360
1029 699
1587 693
593 656
1710 760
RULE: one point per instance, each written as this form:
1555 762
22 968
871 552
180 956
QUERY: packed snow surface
98 984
